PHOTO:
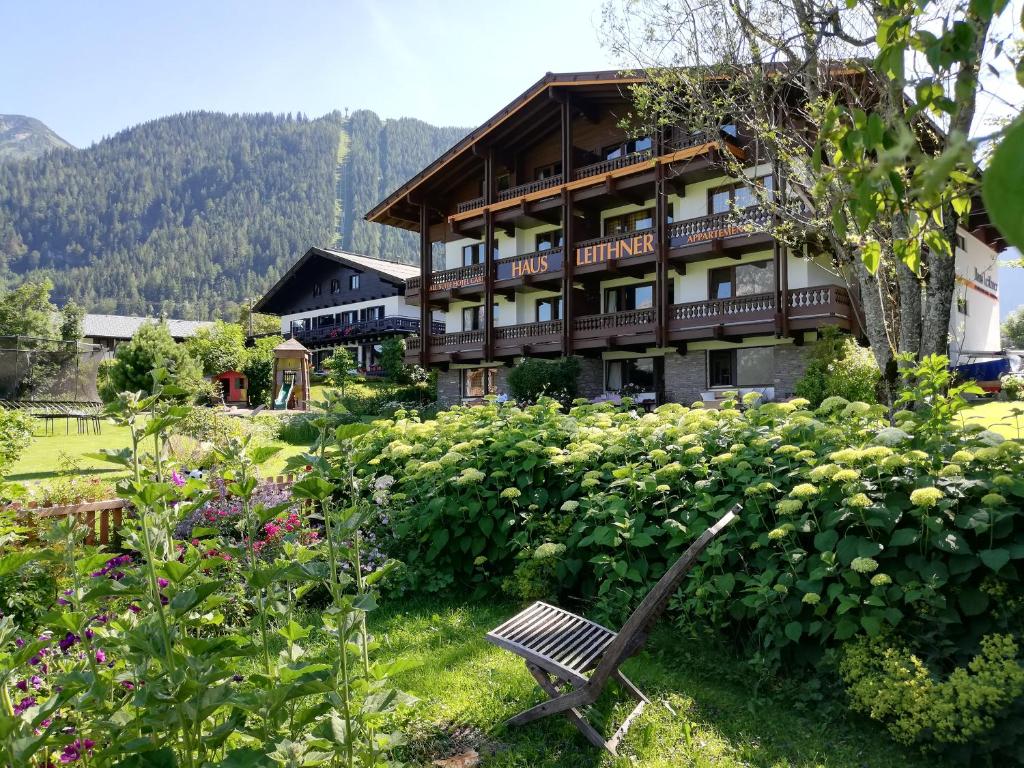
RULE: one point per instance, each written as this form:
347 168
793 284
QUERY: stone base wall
685 376
590 382
790 365
448 387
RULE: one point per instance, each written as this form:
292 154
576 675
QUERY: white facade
974 318
394 306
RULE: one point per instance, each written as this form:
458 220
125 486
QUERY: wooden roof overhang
522 123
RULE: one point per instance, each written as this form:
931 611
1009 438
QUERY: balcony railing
697 313
613 323
593 169
527 331
362 329
696 319
718 225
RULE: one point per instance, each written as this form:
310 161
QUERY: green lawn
706 710
42 459
998 416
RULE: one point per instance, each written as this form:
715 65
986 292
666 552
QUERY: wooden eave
398 208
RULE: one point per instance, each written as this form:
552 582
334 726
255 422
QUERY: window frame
625 361
318 288
734 364
556 308
552 235
731 269
490 382
476 250
768 180
353 282
643 213
620 297
549 171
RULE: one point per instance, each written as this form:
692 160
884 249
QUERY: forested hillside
191 215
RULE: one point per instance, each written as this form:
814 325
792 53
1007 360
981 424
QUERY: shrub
152 348
1013 386
299 428
533 378
972 704
839 367
15 436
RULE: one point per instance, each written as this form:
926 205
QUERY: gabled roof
551 79
392 271
126 326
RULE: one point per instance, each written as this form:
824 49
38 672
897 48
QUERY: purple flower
177 479
21 706
100 656
128 685
19 643
68 641
89 634
73 752
34 660
21 685
134 608
36 681
162 582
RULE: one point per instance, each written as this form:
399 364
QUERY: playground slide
282 399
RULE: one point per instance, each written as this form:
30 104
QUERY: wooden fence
102 518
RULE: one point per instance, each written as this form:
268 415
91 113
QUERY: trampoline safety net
33 369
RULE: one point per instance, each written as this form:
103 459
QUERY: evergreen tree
151 348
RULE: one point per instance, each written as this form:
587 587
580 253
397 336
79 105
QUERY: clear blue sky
89 69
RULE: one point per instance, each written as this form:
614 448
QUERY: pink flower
100 656
177 479
162 582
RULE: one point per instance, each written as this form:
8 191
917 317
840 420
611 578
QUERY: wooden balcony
704 237
725 319
360 330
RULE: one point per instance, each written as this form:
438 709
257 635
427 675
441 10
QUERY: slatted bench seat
555 639
563 650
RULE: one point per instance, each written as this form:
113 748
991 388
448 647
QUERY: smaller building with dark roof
331 298
110 330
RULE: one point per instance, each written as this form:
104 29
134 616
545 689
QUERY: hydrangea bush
852 527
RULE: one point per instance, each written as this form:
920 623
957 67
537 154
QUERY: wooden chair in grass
562 649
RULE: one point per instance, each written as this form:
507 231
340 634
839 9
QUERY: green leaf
902 537
994 558
312 487
871 255
973 602
183 602
871 625
793 630
826 540
164 758
1002 186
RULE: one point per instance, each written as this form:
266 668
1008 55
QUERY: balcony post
781 254
488 285
663 281
568 234
426 267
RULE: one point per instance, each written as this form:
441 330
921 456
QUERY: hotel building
565 235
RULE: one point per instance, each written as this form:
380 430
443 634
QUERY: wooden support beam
568 233
663 279
426 268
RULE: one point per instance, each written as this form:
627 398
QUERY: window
960 243
613 151
350 316
751 367
549 309
371 313
547 171
239 383
335 286
474 253
473 317
504 181
961 305
317 289
636 373
353 282
548 240
627 297
742 280
477 382
629 222
721 199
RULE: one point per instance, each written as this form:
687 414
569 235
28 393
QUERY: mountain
24 138
191 215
